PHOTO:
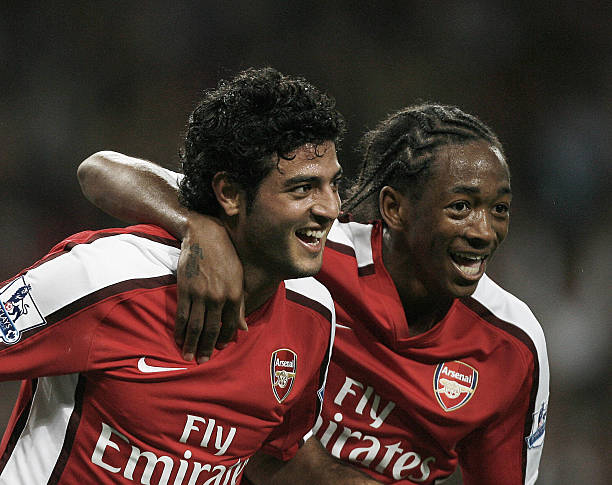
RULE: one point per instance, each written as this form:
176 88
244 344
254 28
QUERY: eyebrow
463 189
298 179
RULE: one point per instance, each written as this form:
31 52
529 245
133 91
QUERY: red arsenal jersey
108 398
471 391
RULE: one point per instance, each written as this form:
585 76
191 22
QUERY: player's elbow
91 172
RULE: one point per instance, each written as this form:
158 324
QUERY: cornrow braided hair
400 150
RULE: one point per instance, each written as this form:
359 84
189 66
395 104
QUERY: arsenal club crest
454 384
283 365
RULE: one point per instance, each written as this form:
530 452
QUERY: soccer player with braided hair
434 365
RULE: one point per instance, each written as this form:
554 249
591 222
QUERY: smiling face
451 232
283 233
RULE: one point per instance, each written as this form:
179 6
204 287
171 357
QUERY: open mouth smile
471 265
311 238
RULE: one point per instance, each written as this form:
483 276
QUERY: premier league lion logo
283 366
18 311
454 384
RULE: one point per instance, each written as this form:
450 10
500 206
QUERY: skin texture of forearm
133 190
311 465
210 274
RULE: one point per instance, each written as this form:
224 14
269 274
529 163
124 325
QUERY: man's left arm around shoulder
311 465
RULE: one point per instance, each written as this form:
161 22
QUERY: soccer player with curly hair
107 396
434 365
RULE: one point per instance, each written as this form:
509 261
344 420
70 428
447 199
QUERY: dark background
79 77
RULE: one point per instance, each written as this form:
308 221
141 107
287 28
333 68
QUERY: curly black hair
400 150
245 126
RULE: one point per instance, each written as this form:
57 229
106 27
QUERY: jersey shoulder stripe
508 308
9 442
82 275
507 312
71 431
310 293
353 239
153 233
102 263
146 231
53 419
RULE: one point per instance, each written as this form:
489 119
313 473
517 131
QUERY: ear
228 193
393 207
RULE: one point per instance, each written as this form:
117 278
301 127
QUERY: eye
336 183
501 209
301 189
460 206
458 209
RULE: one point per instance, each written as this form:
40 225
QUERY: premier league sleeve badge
536 438
18 311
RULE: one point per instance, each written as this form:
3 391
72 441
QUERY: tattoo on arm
195 253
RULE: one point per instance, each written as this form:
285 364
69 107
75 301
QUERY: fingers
199 329
212 328
231 320
242 324
193 330
183 309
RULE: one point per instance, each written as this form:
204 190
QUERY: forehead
476 164
309 160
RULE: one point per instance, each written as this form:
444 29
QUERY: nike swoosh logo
146 368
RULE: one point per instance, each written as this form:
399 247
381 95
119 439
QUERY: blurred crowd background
78 77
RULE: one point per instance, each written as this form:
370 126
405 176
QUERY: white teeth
311 233
470 256
470 270
472 263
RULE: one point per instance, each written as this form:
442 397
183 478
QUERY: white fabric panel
507 307
90 267
314 290
357 236
47 423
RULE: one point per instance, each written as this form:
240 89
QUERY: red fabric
381 411
205 419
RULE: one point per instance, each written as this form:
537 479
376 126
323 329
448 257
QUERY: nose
480 231
327 205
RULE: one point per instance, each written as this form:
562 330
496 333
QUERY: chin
307 269
463 290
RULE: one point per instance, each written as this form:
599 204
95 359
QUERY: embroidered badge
454 384
18 312
283 365
536 438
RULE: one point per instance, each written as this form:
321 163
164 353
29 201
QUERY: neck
259 282
258 287
423 308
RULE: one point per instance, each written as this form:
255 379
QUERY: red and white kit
108 398
472 390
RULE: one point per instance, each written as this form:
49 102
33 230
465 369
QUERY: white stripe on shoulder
510 309
47 423
312 289
96 265
356 236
